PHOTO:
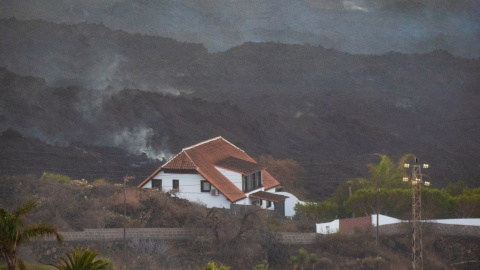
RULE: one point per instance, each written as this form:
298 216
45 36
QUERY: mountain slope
328 110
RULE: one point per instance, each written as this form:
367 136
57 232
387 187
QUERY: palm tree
14 233
302 257
82 260
313 259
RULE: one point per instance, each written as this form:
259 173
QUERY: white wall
458 221
190 189
234 177
290 202
384 220
328 228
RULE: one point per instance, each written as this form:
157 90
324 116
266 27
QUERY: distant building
217 173
348 225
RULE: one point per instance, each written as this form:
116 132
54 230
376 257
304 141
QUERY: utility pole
416 180
125 180
378 213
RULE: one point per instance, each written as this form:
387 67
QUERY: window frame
268 204
252 181
158 184
176 184
202 182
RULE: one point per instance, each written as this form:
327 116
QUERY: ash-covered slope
328 110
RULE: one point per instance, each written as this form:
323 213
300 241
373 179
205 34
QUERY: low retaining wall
431 228
134 233
166 233
285 237
297 238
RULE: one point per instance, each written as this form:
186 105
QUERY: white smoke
104 73
349 5
138 141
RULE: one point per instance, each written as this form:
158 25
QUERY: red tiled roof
204 156
239 165
180 161
268 180
262 195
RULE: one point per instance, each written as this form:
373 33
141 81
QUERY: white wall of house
384 220
190 189
234 177
328 228
290 203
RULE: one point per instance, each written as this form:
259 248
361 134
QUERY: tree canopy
14 232
359 196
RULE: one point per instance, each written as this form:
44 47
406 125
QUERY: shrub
372 263
55 177
213 266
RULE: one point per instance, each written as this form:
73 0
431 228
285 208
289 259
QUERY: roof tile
204 156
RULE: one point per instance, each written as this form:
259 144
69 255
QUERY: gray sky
355 26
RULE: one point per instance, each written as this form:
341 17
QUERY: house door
280 208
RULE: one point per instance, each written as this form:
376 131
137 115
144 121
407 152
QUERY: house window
175 184
205 186
269 204
157 183
252 181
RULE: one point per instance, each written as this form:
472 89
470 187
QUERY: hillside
329 111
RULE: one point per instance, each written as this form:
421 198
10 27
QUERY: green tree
261 267
456 188
396 202
14 232
213 266
467 205
313 259
318 211
299 258
82 260
438 202
387 174
363 202
293 261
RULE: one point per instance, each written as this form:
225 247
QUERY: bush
55 177
372 263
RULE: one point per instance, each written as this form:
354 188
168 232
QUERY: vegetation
213 266
359 197
55 177
250 235
14 232
82 260
318 211
313 259
300 258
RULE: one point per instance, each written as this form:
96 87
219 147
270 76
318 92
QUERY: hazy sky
356 26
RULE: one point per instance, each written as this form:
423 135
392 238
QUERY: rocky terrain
85 89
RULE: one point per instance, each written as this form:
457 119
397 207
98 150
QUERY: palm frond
81 260
40 230
24 209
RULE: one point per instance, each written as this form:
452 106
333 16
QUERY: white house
348 224
216 173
